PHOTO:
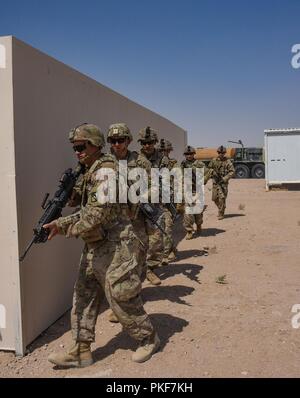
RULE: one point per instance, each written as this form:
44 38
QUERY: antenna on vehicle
238 142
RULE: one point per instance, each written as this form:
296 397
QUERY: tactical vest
221 167
105 160
193 164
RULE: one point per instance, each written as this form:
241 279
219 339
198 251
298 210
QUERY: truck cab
249 162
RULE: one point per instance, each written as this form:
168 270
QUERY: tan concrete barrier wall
49 98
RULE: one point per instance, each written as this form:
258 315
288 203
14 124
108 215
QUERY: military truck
248 162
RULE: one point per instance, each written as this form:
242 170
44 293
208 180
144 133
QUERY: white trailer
282 156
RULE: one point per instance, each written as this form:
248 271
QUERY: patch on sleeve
94 197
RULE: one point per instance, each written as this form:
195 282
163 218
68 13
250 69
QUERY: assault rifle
172 209
53 208
152 213
215 176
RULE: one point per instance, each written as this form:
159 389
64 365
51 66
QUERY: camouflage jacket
160 161
75 199
134 160
93 218
195 164
221 170
157 159
172 163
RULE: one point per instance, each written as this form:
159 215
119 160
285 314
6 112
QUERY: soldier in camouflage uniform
170 250
119 137
221 170
190 219
166 147
148 138
109 264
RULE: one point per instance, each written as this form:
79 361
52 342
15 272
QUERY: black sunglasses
117 140
79 148
147 142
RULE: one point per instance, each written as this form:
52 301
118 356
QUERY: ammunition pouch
95 235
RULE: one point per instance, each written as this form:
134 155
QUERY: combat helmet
119 130
148 134
87 132
221 149
189 150
165 145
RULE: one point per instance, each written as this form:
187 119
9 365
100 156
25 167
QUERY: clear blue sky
219 69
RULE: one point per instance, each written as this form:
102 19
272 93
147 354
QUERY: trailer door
283 157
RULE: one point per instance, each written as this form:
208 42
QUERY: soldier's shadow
191 271
166 326
233 215
58 329
171 293
186 254
211 231
53 332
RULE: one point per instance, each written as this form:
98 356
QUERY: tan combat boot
146 350
199 229
172 255
112 317
220 215
79 356
165 261
189 235
152 278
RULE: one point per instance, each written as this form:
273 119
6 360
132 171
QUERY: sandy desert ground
240 328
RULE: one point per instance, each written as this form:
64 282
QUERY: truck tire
242 171
258 171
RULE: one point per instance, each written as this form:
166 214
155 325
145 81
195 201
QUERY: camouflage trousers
190 219
140 229
110 269
168 240
155 244
219 195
